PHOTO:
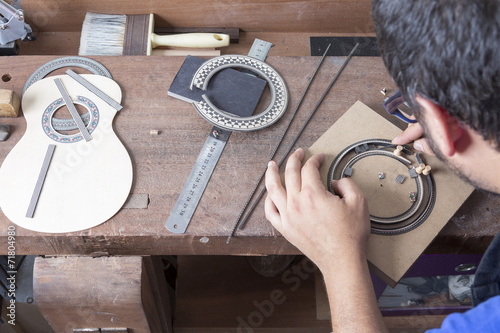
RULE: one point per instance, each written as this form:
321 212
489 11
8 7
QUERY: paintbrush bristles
102 34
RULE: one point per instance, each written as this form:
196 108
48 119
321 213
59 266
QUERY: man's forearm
353 304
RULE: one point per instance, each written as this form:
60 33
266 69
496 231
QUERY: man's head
448 52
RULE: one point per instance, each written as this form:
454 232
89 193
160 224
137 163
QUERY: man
445 57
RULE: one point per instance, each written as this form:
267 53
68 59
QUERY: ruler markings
198 179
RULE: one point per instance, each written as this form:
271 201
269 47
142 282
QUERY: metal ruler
260 49
193 189
198 179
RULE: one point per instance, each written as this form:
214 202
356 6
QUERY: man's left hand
320 224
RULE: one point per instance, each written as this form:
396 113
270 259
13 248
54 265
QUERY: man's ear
445 129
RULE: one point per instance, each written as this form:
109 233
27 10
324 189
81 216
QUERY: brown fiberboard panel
392 256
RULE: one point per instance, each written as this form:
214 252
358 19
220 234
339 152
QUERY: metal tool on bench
224 123
13 27
4 132
240 223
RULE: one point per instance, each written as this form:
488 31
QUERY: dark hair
447 51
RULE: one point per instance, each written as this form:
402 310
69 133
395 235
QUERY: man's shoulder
482 318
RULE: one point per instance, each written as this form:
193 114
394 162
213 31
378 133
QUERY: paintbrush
104 34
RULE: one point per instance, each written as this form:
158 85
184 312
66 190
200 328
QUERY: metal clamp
12 25
465 268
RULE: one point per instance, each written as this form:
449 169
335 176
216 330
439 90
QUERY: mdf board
108 292
390 255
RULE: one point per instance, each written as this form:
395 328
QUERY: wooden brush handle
194 40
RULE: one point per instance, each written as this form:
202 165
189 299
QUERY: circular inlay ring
73 61
47 118
231 122
425 195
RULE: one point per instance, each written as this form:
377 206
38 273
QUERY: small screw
216 134
29 300
20 15
204 240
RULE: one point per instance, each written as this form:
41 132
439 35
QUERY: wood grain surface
162 163
255 15
249 302
83 292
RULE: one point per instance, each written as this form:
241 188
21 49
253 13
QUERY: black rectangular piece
341 46
9 49
229 90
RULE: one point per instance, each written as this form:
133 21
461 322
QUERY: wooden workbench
162 163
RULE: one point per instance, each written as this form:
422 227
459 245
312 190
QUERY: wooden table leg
108 292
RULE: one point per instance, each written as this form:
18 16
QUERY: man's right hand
414 132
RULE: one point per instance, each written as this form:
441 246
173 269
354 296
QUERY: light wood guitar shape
87 179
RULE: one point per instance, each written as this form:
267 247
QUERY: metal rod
7 9
41 178
346 61
93 89
277 145
71 107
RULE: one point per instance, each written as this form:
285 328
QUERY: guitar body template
87 181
